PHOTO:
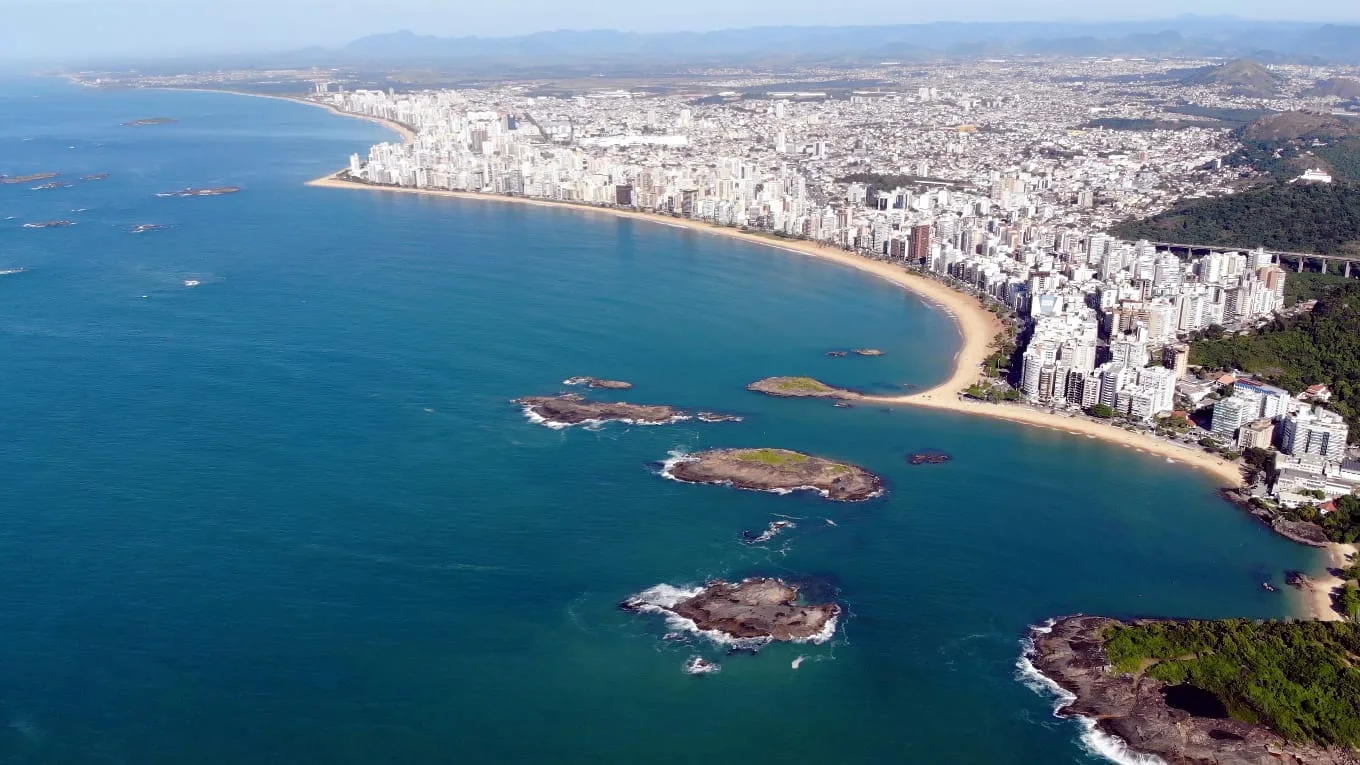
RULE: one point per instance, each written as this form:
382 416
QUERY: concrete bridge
1279 256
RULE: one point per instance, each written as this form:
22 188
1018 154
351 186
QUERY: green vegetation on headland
1301 679
1296 217
1318 347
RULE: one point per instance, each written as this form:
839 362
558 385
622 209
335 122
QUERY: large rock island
1232 692
778 470
573 409
751 610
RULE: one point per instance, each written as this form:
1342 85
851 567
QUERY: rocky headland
573 409
596 382
1152 716
777 470
798 387
757 609
1303 532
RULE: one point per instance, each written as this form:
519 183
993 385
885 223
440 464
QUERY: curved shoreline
407 134
977 326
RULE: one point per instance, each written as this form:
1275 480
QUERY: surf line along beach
977 326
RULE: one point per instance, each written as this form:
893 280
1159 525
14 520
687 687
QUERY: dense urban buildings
1000 180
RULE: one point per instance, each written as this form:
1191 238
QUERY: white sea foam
593 423
663 597
827 632
697 665
798 662
1093 740
8 271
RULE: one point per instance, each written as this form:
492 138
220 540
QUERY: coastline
407 134
977 326
1318 593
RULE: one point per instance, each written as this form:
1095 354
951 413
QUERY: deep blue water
289 515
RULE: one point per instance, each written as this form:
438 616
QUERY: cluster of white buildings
995 185
1312 463
1105 310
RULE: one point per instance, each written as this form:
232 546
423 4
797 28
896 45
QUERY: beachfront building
1316 431
1229 415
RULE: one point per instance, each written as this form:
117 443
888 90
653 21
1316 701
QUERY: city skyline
57 29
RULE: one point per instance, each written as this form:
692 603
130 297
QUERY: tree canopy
1298 678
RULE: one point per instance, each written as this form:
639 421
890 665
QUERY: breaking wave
1095 741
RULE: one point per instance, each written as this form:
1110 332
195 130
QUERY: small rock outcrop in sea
797 387
777 470
94 177
216 191
717 417
698 665
50 224
150 121
758 609
1136 708
838 354
145 227
929 458
868 352
573 409
596 382
773 530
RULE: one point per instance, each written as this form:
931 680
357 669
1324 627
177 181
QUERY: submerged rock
929 458
596 382
773 530
572 409
778 470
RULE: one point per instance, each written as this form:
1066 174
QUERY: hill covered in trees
1321 218
1318 347
1300 679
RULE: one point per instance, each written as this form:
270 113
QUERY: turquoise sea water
290 516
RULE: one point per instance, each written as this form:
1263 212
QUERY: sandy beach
978 327
1318 593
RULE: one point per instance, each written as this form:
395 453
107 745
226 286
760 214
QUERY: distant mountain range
1184 36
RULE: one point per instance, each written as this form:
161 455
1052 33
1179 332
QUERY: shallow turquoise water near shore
289 515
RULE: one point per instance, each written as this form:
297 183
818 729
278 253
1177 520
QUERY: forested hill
1297 217
1318 347
1298 678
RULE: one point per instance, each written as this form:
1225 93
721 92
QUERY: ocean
289 514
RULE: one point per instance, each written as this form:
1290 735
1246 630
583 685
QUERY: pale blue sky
63 28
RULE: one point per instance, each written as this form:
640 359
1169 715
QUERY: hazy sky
64 28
